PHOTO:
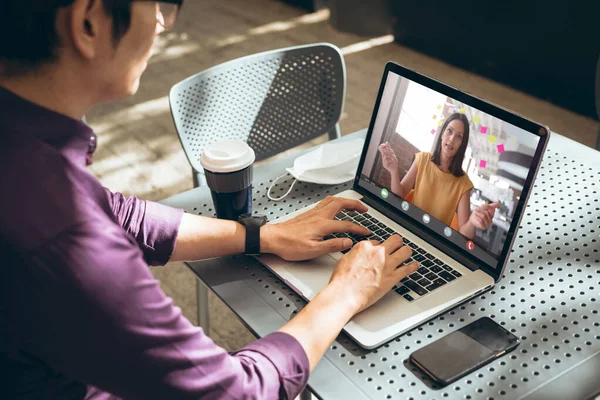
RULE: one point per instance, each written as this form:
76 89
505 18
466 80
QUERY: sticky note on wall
500 148
492 139
440 123
482 164
463 110
483 129
476 119
433 131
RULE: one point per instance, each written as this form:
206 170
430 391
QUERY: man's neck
51 91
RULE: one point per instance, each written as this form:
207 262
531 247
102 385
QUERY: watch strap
253 226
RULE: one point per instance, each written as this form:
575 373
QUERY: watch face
257 217
263 218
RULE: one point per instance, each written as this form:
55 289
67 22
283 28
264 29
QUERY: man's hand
301 238
361 277
369 271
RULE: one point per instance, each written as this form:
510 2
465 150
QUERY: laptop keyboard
432 273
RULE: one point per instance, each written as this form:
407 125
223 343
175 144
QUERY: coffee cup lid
227 156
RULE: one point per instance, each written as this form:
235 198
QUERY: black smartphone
463 351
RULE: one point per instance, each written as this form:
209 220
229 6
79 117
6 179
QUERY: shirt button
91 149
92 145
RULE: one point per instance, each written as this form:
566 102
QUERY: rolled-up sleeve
113 328
291 365
154 226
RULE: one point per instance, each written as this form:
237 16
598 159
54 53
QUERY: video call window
450 160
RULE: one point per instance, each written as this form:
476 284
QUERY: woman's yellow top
437 192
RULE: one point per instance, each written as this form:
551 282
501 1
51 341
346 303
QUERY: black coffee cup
228 167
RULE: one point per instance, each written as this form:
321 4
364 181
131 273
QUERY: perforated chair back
274 101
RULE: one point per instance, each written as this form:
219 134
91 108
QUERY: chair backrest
274 100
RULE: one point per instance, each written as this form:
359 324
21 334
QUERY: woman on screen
441 187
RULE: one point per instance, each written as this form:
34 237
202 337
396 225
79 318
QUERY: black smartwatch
252 224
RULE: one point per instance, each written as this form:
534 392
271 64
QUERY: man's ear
87 23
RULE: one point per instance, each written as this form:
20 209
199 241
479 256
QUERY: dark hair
28 36
456 165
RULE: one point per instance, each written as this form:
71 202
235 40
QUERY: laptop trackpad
314 274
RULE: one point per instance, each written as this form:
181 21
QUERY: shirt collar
72 137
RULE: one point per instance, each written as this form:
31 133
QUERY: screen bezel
434 238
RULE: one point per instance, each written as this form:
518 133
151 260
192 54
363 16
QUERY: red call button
470 245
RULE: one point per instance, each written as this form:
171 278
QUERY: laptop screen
457 172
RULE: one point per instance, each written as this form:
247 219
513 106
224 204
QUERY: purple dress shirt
81 316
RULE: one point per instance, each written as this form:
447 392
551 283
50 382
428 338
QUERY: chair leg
305 395
202 301
335 133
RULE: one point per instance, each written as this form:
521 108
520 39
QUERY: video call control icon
405 205
448 231
384 193
426 218
470 245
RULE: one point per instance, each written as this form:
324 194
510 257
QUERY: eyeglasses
167 12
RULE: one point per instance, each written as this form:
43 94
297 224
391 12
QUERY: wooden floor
139 153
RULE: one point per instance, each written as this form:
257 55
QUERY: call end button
470 245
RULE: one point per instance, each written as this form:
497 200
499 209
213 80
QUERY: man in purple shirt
81 316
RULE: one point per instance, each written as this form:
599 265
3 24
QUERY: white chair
274 100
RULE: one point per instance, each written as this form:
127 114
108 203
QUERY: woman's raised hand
482 216
388 158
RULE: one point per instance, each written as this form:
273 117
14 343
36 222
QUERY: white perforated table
549 296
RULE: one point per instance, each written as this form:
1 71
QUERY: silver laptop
498 157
